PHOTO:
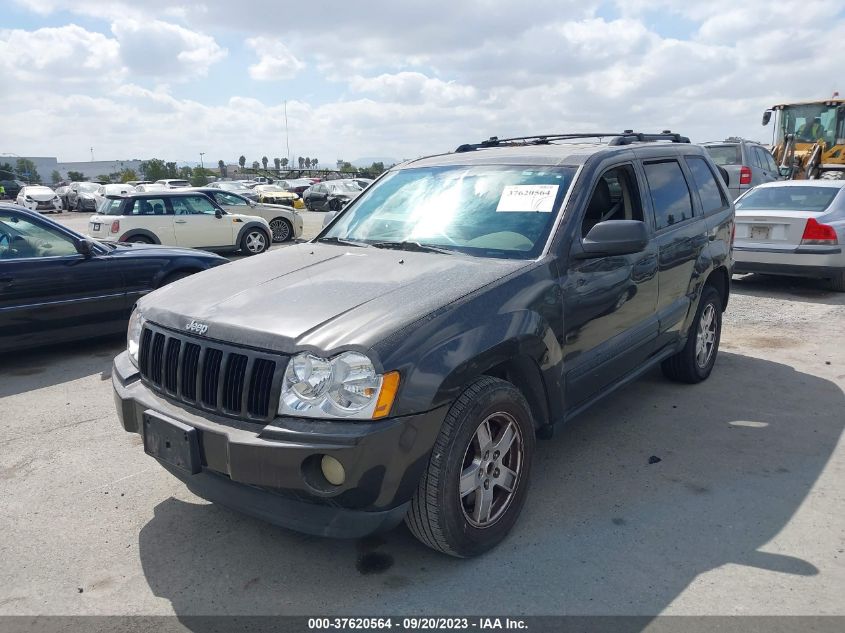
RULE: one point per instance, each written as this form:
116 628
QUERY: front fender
494 327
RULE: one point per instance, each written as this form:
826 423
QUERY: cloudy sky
170 79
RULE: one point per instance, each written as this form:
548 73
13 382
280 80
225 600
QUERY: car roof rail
616 138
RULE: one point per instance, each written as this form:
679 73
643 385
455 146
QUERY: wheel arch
139 233
720 279
248 226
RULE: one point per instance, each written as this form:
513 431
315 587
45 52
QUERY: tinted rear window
798 198
725 154
669 193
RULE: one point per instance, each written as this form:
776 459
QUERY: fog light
332 470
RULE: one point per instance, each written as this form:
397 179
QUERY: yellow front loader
809 139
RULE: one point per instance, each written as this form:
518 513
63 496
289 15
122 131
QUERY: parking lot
741 512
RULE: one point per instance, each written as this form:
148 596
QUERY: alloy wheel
705 341
491 470
281 230
256 242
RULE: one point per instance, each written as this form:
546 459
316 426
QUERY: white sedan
792 227
39 198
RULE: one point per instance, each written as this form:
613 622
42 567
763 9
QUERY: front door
608 302
198 223
48 291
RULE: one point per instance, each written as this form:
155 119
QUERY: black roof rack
616 138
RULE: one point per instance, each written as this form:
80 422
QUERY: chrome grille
206 374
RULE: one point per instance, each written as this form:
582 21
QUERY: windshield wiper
413 246
339 240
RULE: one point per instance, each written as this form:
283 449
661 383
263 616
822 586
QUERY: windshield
798 198
811 122
88 187
271 188
485 211
724 154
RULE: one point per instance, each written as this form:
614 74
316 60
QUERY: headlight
346 386
133 335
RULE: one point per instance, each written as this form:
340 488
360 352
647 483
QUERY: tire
255 242
307 205
440 515
282 230
832 175
334 204
138 239
837 284
694 363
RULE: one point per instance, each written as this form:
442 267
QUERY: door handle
181 221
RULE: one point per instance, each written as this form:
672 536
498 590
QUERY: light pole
202 166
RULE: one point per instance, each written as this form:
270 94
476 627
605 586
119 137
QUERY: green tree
185 173
127 174
255 165
278 163
346 166
264 162
222 167
242 162
307 162
171 170
7 172
314 162
55 176
75 176
26 169
102 178
301 162
284 162
153 169
200 177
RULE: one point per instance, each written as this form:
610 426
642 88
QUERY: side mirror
767 116
615 237
331 215
218 214
85 247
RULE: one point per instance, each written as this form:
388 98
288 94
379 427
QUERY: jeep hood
320 297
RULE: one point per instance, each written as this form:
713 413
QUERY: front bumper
803 261
272 472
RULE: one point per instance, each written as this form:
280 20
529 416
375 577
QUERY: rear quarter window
704 180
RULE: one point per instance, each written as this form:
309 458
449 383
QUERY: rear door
197 224
765 173
681 235
48 291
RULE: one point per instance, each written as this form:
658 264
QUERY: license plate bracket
760 232
171 442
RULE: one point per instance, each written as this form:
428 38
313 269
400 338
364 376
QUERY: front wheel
477 477
282 230
254 242
695 361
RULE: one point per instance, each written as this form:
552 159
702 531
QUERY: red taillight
815 233
745 175
115 226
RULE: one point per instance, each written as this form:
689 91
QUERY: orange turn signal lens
389 387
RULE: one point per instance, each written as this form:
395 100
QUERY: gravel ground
743 514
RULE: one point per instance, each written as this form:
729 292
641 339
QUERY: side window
199 205
21 238
150 206
615 197
706 184
761 157
754 156
669 193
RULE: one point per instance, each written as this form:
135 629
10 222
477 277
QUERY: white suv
175 218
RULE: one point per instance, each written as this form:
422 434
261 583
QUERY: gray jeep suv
746 164
400 365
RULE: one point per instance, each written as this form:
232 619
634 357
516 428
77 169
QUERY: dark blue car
57 285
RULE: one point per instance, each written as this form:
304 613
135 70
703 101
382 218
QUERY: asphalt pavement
726 497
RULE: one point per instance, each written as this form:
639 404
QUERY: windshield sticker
527 199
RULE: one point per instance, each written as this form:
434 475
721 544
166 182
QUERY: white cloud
161 49
275 61
413 87
52 56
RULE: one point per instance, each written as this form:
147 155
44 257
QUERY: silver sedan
794 227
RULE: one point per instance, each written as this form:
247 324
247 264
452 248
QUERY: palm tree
242 162
256 165
314 162
301 162
285 162
222 167
277 162
307 162
264 162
